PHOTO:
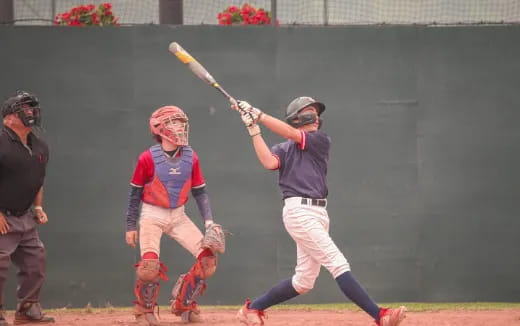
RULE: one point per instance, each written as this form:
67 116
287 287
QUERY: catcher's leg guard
147 286
192 284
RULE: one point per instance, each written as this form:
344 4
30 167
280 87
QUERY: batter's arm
268 160
281 128
275 125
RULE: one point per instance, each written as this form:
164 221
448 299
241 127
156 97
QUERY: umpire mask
26 106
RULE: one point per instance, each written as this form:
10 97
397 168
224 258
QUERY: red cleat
391 317
250 316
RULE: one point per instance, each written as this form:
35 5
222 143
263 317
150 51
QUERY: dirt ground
509 317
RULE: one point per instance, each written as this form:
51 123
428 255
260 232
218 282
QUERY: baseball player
302 165
23 163
163 177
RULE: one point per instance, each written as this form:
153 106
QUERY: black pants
22 245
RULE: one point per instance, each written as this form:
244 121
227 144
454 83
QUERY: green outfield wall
423 175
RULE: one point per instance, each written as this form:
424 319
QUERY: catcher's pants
155 221
309 227
22 245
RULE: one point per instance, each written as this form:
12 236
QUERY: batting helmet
26 106
292 115
171 123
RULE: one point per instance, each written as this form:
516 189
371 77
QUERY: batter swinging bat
197 68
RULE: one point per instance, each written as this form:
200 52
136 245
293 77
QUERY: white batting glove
248 108
251 126
247 119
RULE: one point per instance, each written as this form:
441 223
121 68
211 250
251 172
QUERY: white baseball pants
309 227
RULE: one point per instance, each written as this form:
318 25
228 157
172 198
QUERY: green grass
411 306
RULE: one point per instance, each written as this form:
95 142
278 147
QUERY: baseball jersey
175 178
303 166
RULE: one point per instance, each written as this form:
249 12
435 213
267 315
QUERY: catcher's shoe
30 313
144 317
391 317
191 317
3 322
249 316
147 319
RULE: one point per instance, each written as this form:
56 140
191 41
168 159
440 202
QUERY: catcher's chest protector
171 182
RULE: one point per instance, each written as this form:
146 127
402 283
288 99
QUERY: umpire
23 159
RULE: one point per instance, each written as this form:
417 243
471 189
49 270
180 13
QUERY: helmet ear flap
292 113
300 103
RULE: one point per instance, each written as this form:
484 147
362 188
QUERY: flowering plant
247 15
88 15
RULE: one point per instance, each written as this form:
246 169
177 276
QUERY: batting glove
248 108
251 126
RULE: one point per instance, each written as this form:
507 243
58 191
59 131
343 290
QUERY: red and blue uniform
164 181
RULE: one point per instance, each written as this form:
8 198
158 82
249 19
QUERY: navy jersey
303 167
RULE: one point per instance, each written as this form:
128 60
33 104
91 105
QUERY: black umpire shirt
22 170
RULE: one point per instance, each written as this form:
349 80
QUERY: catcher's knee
206 264
150 270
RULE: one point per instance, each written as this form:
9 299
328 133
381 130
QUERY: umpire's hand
131 238
41 216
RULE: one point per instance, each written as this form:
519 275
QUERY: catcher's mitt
214 238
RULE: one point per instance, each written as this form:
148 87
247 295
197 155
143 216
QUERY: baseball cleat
391 317
191 317
250 317
147 319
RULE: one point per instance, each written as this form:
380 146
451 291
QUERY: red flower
247 15
88 15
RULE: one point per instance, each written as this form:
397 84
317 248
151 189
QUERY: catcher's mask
171 123
297 119
26 106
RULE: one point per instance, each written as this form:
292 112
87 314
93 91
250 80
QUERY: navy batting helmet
25 105
292 115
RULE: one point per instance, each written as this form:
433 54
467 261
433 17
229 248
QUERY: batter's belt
314 202
319 202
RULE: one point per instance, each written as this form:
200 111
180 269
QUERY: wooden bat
197 68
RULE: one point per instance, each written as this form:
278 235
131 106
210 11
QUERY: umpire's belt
314 202
8 212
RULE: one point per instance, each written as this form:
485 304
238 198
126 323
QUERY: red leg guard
193 284
149 272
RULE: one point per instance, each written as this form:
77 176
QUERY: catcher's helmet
293 109
26 106
171 123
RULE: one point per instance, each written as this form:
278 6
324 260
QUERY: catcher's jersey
146 169
303 167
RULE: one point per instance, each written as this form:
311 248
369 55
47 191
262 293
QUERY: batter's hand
247 119
248 108
4 226
131 238
40 215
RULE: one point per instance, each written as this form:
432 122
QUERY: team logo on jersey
175 171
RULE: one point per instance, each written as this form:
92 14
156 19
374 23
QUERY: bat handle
226 94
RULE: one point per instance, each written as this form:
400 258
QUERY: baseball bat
197 68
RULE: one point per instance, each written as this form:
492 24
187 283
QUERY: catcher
163 176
